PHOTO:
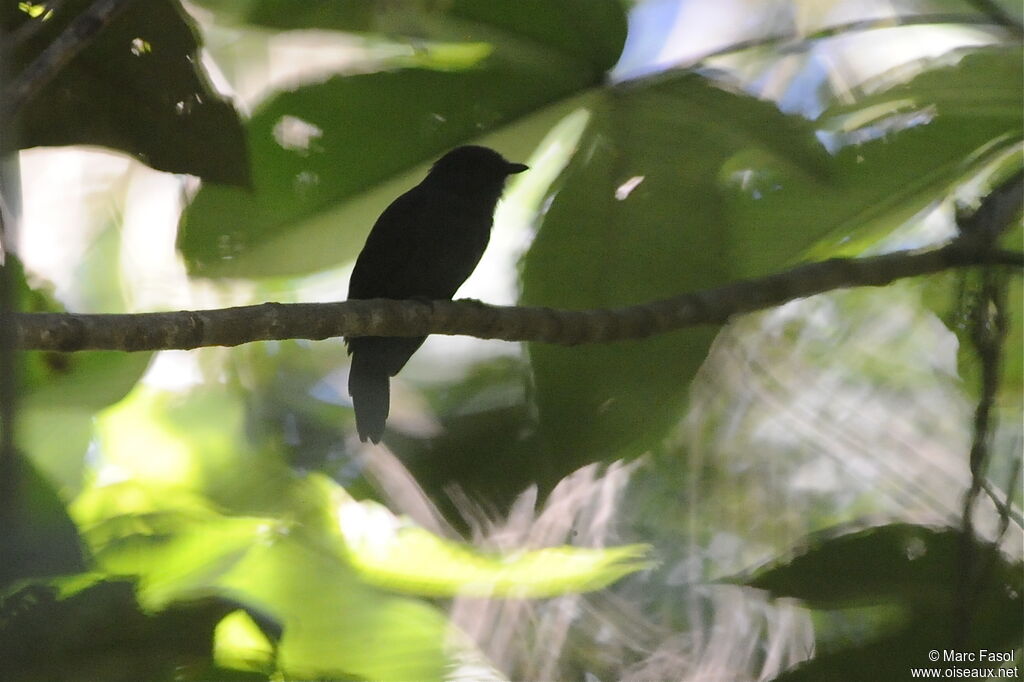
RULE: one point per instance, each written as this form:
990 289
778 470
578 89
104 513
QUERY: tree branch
379 317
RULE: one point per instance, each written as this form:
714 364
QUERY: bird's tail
368 384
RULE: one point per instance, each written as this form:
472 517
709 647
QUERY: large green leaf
328 157
907 147
334 624
916 569
709 200
400 556
639 216
592 30
913 565
136 87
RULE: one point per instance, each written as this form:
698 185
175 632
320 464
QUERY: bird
423 246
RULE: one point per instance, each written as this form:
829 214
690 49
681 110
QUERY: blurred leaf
194 440
907 147
317 572
974 82
639 216
62 392
137 87
89 380
915 568
675 148
86 381
177 548
318 191
351 15
37 538
334 624
590 30
240 643
294 571
101 635
912 565
99 287
996 629
399 556
56 440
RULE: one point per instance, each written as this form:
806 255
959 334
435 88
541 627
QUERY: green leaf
317 187
240 643
399 556
136 87
294 571
903 563
995 628
923 137
175 544
591 30
638 216
56 440
37 537
916 569
334 624
88 380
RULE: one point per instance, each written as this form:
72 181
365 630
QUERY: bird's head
472 167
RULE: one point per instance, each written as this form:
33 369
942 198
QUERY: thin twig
72 40
988 330
1003 500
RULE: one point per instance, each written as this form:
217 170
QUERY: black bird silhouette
424 246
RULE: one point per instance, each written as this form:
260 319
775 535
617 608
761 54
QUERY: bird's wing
417 249
382 266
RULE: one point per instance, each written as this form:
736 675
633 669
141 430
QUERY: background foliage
537 512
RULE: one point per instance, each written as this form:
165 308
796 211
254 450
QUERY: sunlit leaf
400 556
334 624
240 643
171 539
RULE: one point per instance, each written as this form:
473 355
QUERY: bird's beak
517 168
